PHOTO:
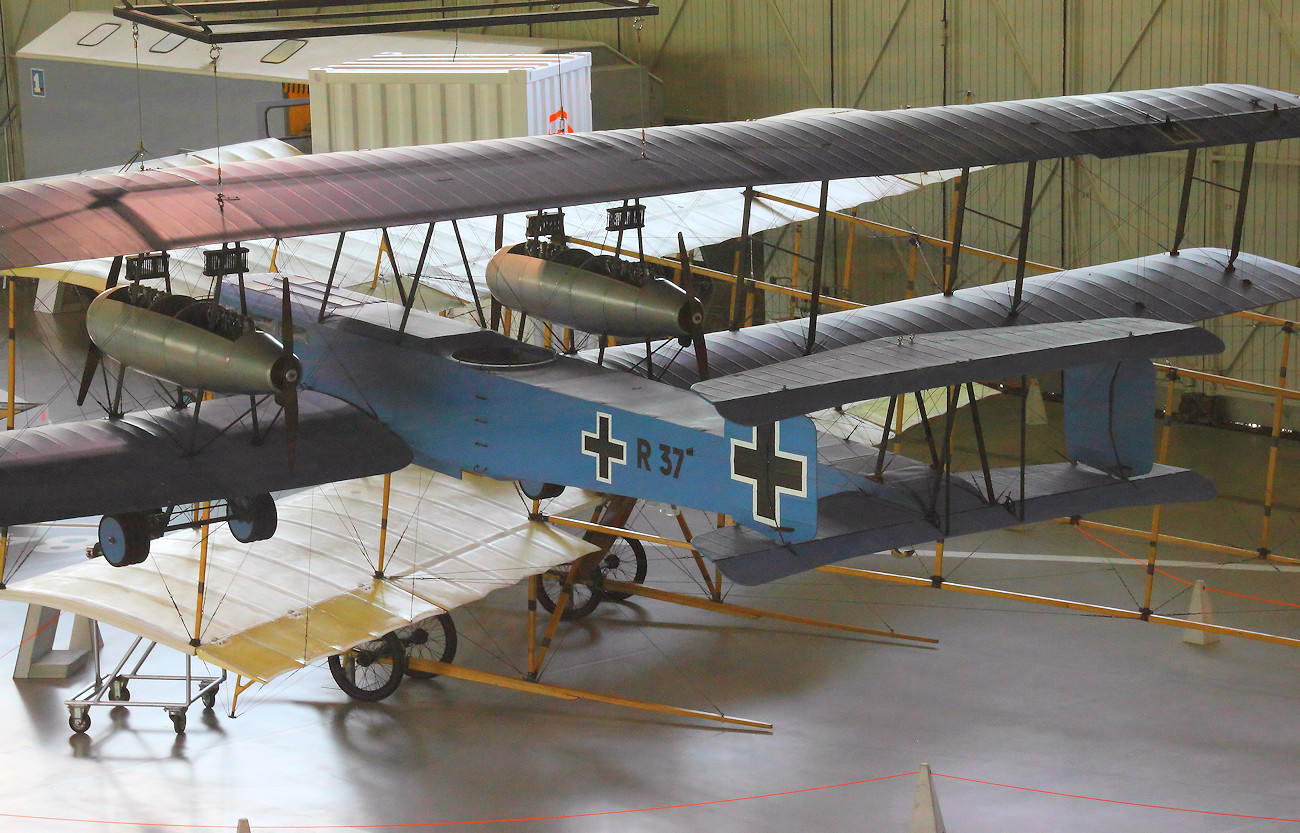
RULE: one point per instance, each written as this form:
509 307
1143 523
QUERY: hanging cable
139 95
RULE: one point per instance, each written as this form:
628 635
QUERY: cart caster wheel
210 699
79 721
117 689
178 720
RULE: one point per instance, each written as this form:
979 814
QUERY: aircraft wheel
124 539
252 518
79 720
540 491
624 562
583 600
433 638
372 670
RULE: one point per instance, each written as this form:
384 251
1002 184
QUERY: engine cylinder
575 297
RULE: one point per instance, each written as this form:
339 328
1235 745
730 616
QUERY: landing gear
432 639
124 539
251 518
625 561
372 670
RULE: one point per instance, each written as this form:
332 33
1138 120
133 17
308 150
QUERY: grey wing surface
76 218
153 459
1191 286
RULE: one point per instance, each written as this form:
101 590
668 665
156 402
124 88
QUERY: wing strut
1026 213
741 287
392 261
1184 201
415 282
818 257
499 243
469 275
958 220
697 336
329 284
1243 192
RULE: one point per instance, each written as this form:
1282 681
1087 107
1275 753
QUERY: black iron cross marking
769 470
604 448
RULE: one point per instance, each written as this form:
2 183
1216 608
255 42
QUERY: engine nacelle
193 343
595 294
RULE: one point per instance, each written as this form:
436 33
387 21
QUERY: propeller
93 354
697 332
287 372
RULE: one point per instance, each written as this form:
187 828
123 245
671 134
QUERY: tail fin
1110 416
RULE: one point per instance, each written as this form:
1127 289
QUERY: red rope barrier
33 636
1113 548
1116 801
408 825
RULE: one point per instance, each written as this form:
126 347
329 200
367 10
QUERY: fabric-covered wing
311 591
164 457
897 514
1190 286
49 221
885 367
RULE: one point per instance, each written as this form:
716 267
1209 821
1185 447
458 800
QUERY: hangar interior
1030 716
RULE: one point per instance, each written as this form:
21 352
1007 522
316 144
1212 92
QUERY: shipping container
396 99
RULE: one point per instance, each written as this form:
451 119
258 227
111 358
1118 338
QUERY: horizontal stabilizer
857 523
889 366
165 457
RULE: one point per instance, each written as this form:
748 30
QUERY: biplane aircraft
356 386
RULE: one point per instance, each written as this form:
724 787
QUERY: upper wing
1193 285
50 221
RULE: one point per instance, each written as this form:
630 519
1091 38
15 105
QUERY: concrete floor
1013 694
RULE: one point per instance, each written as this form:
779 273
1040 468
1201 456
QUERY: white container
396 99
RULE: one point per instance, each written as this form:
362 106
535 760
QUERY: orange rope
664 807
1116 801
33 636
1183 580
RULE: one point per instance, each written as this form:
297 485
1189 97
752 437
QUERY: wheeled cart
113 689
